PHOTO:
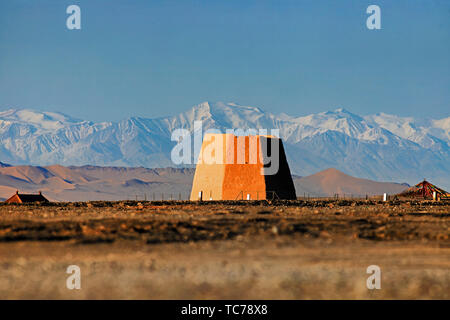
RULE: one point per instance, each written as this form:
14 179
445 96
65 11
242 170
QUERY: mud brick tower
233 167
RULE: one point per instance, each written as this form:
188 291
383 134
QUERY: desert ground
226 250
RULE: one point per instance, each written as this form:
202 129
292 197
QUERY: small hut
26 198
425 190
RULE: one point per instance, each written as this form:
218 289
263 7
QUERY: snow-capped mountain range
381 147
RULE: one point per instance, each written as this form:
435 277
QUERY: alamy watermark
74 20
236 146
74 280
373 22
374 281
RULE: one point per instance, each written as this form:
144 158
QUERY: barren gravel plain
226 250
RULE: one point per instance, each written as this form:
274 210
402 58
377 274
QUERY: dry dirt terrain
232 250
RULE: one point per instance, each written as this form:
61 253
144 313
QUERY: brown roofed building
26 198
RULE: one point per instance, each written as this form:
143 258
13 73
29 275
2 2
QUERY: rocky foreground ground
230 250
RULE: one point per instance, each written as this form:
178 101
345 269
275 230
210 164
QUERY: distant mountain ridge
332 181
379 147
85 183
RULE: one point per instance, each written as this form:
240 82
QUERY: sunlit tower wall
233 167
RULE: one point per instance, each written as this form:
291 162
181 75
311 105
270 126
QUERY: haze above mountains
379 147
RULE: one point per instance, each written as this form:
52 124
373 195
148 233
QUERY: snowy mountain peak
381 146
218 107
201 111
35 117
225 115
238 107
441 129
432 134
342 111
41 121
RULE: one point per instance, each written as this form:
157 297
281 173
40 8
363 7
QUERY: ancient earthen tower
242 168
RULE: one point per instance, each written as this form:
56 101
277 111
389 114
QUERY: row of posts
435 198
162 197
200 196
385 196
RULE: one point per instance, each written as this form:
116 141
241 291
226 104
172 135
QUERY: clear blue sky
156 58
